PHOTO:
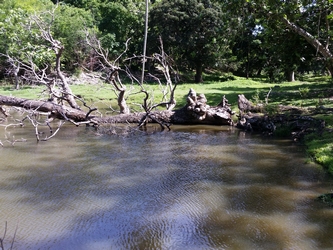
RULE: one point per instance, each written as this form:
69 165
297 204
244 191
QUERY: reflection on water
190 188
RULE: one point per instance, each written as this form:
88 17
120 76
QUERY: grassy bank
310 93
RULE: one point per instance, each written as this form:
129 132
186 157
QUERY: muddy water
191 188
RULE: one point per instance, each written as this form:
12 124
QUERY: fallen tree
196 111
64 105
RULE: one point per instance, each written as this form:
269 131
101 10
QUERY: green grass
309 92
29 92
321 149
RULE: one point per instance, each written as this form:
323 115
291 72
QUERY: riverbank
312 95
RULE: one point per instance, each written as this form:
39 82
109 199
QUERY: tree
248 47
20 41
194 32
309 19
70 27
62 102
285 52
117 19
20 38
28 5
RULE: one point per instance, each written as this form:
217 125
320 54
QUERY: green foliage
71 25
20 32
271 109
256 99
194 32
247 37
283 131
119 21
29 6
320 147
266 45
326 198
20 39
304 91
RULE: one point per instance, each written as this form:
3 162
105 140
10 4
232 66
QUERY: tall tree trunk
16 77
248 62
124 109
323 50
290 74
198 72
330 67
145 42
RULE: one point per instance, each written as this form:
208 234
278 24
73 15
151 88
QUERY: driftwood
54 110
288 119
196 111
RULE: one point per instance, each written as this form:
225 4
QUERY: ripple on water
200 189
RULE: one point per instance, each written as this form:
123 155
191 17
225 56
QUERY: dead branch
2 246
165 62
3 237
58 48
56 110
55 132
111 70
3 111
267 96
57 84
14 236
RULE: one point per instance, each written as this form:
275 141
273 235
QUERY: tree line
252 38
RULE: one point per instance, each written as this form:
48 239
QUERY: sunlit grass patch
321 149
29 92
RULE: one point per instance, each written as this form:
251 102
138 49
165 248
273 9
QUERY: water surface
194 187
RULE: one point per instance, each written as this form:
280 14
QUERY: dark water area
196 187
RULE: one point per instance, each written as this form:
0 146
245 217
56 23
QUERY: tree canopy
196 33
276 39
310 20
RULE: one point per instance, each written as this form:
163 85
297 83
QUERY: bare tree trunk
165 62
58 49
330 67
145 43
16 77
124 109
55 110
198 72
112 71
67 92
290 74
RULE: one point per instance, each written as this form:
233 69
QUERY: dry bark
54 110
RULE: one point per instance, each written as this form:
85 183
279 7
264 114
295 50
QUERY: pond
195 187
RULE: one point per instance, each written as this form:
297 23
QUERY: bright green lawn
309 92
